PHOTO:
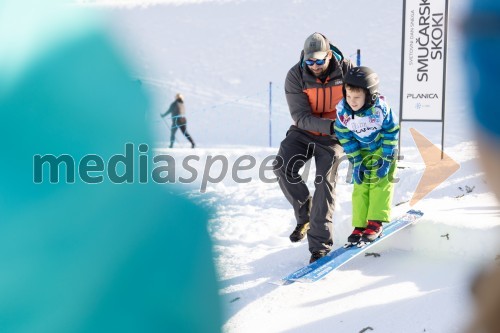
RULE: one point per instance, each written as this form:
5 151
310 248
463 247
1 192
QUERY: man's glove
383 165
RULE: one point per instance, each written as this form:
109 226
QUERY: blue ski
318 269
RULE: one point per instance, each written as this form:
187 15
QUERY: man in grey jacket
178 112
313 88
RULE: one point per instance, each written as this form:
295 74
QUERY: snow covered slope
222 55
421 271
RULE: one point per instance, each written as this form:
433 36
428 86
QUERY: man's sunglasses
318 62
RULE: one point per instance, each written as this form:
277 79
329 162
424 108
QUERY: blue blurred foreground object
77 257
482 45
482 32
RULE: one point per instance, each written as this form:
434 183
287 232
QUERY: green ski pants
372 199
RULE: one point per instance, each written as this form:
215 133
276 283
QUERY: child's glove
358 173
384 165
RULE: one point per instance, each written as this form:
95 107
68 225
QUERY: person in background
313 87
368 131
178 111
482 39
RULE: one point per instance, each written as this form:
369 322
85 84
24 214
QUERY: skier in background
482 37
178 112
368 132
313 87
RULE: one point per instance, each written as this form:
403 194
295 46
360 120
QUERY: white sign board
424 59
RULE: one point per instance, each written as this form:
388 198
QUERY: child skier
366 128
